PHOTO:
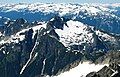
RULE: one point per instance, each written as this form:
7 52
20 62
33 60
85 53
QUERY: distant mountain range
102 16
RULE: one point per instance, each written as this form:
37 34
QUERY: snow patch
82 70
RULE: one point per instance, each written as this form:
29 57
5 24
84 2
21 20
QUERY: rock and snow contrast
59 40
82 70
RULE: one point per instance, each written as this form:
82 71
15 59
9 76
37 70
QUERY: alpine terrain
59 40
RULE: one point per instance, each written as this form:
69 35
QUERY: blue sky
60 1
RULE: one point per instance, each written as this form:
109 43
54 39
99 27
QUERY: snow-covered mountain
42 40
54 46
71 33
102 16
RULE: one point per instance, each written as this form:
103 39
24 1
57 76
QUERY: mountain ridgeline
102 16
55 43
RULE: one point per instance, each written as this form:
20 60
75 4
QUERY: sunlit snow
82 70
62 9
76 32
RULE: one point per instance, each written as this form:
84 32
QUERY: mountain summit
52 40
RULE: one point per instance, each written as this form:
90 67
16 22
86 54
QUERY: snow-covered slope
20 36
82 70
74 33
77 33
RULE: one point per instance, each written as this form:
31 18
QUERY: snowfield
75 33
62 9
78 33
82 70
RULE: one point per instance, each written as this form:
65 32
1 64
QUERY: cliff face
45 56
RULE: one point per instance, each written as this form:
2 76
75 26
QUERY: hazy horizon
60 1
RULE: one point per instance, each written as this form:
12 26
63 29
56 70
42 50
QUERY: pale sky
60 1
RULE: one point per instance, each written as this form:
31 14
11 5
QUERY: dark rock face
113 70
11 27
57 22
15 56
28 40
105 72
49 51
11 63
51 57
93 74
111 56
53 33
77 47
